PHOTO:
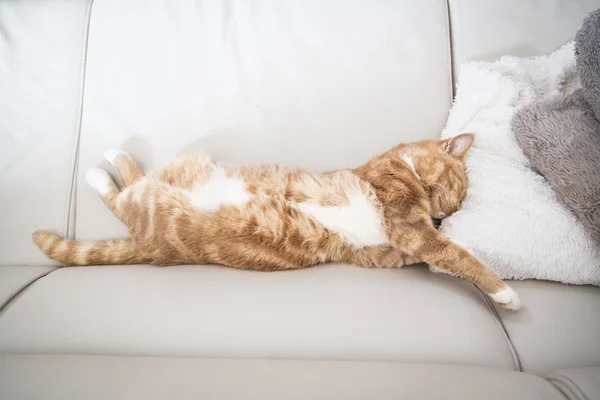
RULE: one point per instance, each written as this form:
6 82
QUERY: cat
194 210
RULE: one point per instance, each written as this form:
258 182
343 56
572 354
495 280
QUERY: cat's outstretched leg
427 244
441 252
106 188
128 169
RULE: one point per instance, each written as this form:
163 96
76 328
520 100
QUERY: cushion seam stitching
74 161
450 52
563 389
22 290
567 382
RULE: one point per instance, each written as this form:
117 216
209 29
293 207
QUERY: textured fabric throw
561 137
512 219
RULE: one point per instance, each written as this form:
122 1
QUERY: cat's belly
339 202
357 222
220 189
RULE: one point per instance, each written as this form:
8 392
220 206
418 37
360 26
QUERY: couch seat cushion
332 312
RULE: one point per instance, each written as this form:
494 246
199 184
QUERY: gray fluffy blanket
561 137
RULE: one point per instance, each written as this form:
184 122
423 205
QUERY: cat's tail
98 252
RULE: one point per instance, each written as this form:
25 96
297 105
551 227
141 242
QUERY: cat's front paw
507 298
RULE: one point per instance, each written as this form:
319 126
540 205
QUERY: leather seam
78 124
22 290
562 389
460 38
511 346
456 36
568 384
450 53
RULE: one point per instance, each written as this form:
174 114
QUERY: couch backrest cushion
314 84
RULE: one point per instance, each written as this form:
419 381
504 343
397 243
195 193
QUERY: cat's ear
458 145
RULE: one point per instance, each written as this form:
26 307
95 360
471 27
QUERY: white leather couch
308 83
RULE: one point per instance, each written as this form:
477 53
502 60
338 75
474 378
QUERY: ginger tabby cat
269 218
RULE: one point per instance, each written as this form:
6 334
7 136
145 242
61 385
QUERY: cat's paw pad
112 155
98 179
507 298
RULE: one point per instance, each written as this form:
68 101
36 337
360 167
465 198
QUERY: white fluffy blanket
511 218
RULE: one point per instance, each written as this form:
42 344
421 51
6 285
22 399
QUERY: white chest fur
358 221
218 190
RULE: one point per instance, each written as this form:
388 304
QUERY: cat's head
440 166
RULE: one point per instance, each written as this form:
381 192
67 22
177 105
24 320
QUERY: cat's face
440 166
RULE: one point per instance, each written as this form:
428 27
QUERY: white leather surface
314 84
90 378
15 278
577 383
559 326
488 30
330 313
308 83
41 61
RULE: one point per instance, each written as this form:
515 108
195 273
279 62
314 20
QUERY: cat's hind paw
112 155
99 180
507 298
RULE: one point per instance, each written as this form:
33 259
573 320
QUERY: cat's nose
439 215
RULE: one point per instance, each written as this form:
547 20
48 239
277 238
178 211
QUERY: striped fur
96 252
266 217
